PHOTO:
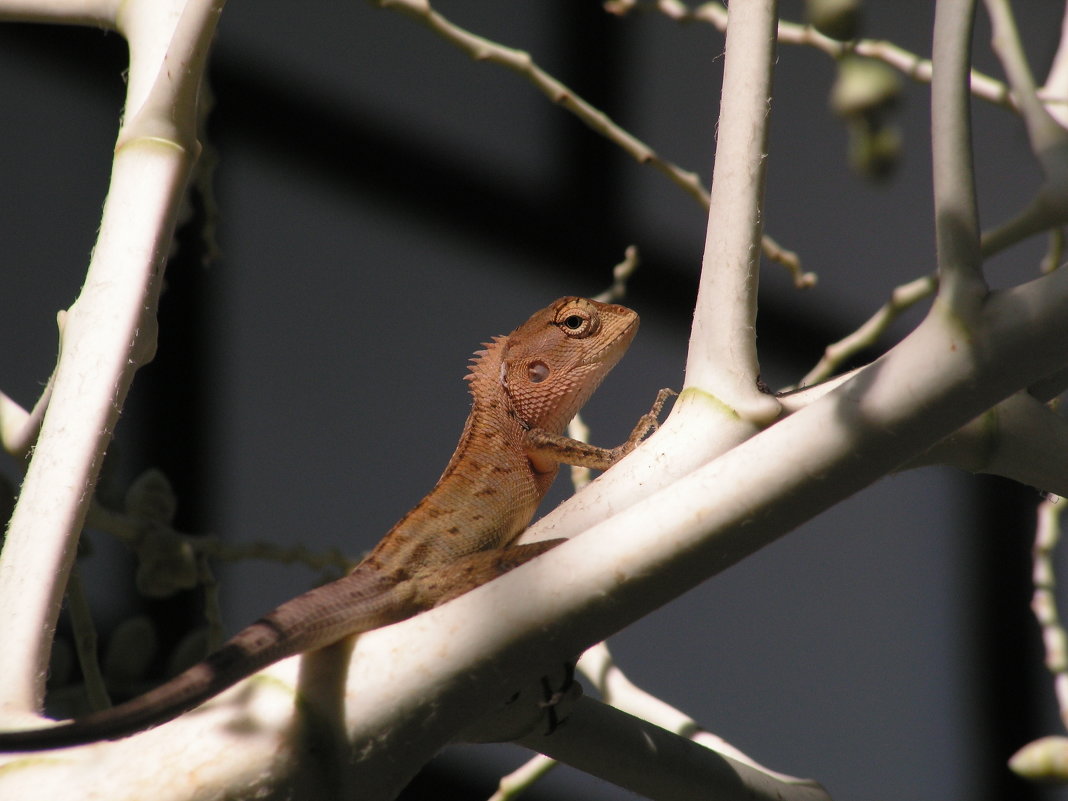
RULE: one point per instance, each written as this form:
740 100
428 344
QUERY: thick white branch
720 397
722 360
100 13
109 330
961 282
642 757
1057 79
1049 141
1020 438
598 666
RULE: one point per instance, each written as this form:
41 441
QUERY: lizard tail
358 602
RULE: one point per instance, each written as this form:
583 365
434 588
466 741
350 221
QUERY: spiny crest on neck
484 369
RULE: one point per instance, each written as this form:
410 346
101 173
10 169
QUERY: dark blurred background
382 204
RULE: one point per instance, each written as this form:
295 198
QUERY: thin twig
599 667
901 299
128 529
514 784
621 273
1044 601
85 642
521 62
19 428
1054 256
916 67
1043 132
1048 140
1057 77
95 13
577 428
482 49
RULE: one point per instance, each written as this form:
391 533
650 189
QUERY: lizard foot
647 424
557 701
526 711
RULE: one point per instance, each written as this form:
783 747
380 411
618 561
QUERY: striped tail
361 601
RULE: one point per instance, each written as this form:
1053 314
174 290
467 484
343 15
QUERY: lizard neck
487 493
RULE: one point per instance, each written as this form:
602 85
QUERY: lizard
525 389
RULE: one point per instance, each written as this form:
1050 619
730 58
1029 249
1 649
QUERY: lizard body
526 387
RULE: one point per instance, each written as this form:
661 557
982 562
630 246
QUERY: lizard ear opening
537 371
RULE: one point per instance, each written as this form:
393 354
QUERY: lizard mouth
625 336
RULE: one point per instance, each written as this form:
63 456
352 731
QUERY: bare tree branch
108 333
961 283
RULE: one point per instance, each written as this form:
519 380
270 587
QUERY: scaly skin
526 388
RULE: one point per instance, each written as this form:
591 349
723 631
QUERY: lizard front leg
547 447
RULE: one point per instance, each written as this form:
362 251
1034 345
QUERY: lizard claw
553 700
647 424
525 713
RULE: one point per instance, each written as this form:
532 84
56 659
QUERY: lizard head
554 361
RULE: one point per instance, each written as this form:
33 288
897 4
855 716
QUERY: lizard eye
537 372
577 322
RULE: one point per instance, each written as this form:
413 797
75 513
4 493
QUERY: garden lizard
526 387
